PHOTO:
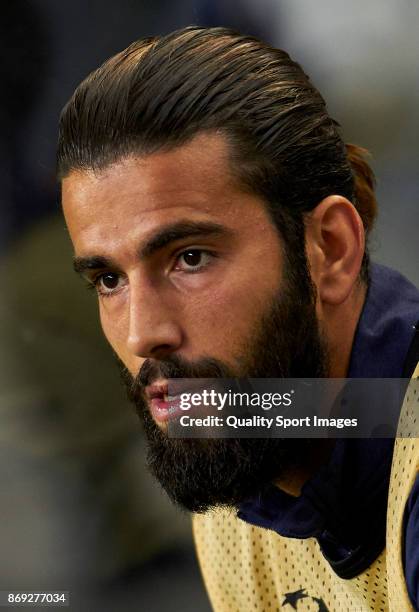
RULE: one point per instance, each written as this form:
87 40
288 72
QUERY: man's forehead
202 164
137 194
194 175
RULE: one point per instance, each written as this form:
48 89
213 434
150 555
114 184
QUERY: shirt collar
386 326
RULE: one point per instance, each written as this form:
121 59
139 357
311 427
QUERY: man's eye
193 260
107 283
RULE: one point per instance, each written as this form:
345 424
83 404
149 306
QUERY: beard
201 474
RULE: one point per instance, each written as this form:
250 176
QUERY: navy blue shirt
344 504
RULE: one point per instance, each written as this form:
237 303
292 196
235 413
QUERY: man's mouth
163 406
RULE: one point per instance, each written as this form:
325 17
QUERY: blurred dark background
79 511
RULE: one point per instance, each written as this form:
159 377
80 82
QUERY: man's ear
335 241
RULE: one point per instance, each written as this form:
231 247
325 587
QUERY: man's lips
162 407
158 389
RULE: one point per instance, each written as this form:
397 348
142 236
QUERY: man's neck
340 331
293 482
340 324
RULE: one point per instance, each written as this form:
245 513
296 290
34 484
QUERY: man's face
190 273
200 294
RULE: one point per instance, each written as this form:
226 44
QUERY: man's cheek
115 331
219 324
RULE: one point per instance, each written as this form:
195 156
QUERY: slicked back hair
160 92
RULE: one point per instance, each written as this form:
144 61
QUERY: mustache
171 367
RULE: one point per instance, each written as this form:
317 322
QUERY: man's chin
201 474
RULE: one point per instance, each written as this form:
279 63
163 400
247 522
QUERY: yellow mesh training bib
249 569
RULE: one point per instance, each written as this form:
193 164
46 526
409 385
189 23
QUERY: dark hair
160 92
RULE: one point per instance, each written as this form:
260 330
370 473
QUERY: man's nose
153 330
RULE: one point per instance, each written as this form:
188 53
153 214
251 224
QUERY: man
214 207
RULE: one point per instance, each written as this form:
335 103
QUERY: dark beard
200 474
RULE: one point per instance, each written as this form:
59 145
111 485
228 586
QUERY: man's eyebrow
162 238
82 264
179 231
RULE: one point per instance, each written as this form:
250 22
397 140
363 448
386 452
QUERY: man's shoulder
411 543
403 498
